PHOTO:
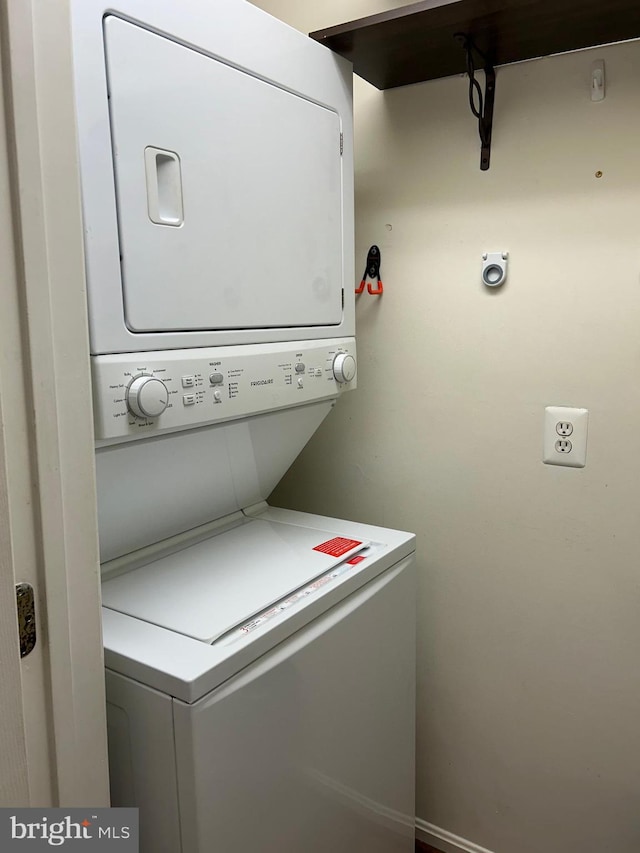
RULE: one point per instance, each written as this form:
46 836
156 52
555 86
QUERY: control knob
147 397
344 367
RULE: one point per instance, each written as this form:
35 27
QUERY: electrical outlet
564 427
559 423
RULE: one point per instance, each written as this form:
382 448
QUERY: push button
216 378
299 367
188 399
188 381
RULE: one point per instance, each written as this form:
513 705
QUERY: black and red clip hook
372 270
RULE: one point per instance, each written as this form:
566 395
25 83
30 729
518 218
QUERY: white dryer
260 662
217 176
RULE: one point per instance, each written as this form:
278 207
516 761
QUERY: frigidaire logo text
263 382
57 832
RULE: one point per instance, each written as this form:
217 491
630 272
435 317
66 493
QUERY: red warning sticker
355 560
338 546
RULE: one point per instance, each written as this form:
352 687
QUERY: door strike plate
25 602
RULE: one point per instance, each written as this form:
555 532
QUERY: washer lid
209 588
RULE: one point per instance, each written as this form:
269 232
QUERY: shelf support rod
486 122
481 102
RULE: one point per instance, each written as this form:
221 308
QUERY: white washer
261 662
261 693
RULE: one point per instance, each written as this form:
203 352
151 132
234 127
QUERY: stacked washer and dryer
260 661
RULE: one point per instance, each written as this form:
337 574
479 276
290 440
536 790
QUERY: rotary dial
147 397
344 367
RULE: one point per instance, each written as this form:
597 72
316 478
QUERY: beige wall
529 603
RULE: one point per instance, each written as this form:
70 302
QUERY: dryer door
228 190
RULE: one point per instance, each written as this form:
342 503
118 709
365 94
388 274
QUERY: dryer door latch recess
481 103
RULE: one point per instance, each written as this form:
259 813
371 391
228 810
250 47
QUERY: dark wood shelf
416 42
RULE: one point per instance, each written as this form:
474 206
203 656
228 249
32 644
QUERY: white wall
529 604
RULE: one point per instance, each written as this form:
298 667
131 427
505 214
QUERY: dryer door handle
164 186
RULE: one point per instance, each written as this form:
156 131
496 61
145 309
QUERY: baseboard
445 841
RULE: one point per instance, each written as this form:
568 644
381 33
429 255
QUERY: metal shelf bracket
481 102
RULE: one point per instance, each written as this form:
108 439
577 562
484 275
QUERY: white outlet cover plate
579 420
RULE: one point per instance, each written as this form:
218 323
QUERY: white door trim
50 384
14 782
14 503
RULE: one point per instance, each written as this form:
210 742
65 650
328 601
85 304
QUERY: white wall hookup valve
494 268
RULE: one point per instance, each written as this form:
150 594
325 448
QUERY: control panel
143 394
